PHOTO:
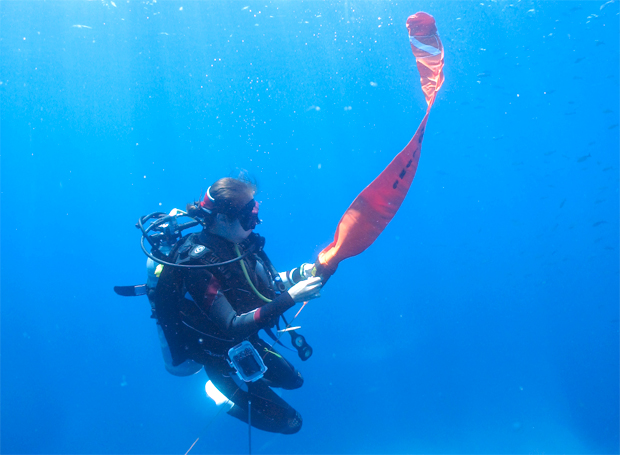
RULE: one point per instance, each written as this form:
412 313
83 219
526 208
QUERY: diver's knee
293 424
296 382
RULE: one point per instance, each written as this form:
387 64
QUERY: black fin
130 291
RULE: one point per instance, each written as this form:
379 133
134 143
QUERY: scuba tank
189 367
153 270
166 232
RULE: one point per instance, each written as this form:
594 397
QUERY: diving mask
248 216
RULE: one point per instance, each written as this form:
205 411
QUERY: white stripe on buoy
424 47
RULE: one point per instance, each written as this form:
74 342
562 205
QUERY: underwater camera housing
247 363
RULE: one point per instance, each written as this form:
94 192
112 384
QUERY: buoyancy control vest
190 334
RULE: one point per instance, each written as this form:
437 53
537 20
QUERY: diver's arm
301 292
204 289
227 320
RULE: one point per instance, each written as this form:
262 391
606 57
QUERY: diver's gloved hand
307 271
324 272
306 290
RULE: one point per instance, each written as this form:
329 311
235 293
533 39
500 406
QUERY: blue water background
483 320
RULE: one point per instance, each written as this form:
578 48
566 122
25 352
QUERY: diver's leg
269 411
280 373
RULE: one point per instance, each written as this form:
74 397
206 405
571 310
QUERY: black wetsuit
206 311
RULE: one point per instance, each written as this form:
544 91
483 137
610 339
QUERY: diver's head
231 208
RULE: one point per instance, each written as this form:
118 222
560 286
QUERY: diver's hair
230 194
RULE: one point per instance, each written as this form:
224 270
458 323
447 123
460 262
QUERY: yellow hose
247 277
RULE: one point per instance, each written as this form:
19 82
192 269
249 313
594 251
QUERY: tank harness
169 247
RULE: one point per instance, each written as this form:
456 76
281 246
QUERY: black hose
181 227
203 266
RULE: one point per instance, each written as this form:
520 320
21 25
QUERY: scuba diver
212 292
